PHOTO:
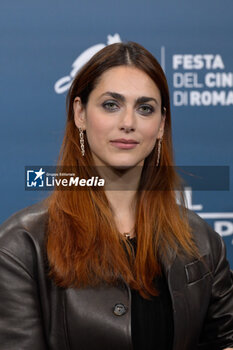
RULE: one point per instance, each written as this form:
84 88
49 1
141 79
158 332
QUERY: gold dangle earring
81 138
159 151
160 142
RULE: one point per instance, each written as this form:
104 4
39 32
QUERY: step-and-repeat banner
43 44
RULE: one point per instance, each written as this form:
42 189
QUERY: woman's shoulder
29 219
22 235
208 241
200 228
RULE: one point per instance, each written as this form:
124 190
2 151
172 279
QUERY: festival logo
63 84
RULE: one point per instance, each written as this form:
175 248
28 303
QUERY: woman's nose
127 122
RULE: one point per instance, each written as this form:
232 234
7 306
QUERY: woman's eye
110 106
146 109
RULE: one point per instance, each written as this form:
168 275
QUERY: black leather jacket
37 315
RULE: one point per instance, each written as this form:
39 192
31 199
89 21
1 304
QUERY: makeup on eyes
148 109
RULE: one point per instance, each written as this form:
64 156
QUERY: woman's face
122 118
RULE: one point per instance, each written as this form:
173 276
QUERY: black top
152 321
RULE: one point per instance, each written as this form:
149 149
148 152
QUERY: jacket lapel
175 276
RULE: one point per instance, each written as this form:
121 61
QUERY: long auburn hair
84 246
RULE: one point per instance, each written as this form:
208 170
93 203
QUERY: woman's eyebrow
121 98
144 99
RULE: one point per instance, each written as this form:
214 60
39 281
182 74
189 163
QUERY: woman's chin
124 166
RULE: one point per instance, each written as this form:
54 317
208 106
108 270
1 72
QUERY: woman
123 267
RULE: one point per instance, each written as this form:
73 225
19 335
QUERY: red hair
84 246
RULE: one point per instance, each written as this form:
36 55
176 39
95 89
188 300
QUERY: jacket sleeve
20 316
218 327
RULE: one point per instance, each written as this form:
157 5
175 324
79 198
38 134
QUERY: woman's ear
79 114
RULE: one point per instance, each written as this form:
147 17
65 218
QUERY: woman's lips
124 144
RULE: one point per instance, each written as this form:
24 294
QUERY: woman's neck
121 190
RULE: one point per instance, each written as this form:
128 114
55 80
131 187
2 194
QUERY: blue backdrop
44 43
